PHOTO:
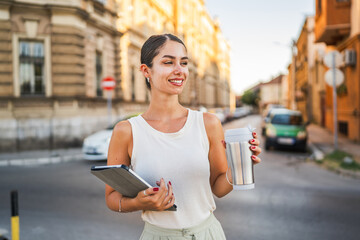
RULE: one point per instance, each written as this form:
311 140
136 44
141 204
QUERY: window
286 119
343 127
31 68
98 67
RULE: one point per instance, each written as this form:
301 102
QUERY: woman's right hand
157 198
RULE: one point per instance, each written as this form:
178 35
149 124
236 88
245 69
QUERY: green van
285 128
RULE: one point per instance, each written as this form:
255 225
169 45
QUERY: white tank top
180 157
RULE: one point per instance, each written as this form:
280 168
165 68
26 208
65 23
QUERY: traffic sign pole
334 102
109 107
334 77
108 84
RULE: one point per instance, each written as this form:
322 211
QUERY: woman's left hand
255 148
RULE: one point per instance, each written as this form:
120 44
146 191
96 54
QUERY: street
293 199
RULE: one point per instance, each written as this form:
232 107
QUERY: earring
147 79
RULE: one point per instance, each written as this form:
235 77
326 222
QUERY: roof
276 80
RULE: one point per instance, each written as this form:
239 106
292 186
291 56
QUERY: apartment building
309 87
337 24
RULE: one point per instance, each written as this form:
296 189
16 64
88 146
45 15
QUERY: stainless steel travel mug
238 155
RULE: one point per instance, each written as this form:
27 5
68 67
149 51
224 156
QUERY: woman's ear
145 70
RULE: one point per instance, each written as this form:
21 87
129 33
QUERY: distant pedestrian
179 149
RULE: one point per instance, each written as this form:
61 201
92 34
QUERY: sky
260 33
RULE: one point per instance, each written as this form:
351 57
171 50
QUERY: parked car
241 112
286 128
266 115
95 146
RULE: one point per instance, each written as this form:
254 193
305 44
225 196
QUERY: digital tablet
123 180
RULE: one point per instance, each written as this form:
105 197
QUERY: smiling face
169 71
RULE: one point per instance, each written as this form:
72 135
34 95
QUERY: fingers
164 195
169 194
254 134
255 142
170 198
256 150
150 191
223 143
157 198
162 190
170 203
255 159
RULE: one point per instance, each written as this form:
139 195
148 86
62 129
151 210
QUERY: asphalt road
292 199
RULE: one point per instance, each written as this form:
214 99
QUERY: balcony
332 21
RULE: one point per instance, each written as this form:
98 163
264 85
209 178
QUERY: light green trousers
209 229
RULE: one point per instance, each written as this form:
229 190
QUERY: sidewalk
321 142
38 157
324 140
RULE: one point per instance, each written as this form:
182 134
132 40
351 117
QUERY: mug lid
237 131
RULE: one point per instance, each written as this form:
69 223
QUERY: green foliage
250 98
337 155
336 159
341 90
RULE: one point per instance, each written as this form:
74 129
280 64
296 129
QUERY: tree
250 98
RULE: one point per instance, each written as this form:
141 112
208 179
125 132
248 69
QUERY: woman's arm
120 149
120 143
217 156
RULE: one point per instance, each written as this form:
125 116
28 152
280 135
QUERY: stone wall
56 123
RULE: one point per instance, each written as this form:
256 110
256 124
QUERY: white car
95 146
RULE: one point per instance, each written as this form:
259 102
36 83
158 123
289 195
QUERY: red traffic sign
108 83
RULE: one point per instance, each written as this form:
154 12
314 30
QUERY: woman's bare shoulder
123 130
213 126
211 121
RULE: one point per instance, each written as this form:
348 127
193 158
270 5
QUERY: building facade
53 57
316 75
272 92
54 54
337 24
209 66
309 87
303 96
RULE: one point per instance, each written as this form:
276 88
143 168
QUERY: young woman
178 149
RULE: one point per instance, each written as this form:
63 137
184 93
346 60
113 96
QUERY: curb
318 155
40 160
